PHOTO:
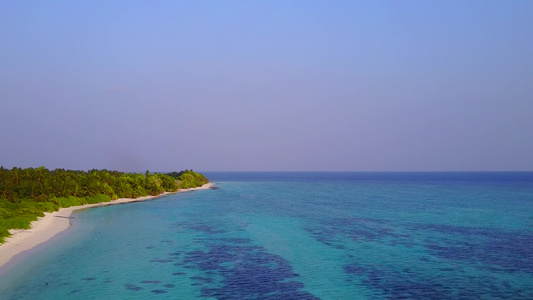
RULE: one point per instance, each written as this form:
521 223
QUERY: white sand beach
53 223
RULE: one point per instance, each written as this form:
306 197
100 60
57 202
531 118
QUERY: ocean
298 236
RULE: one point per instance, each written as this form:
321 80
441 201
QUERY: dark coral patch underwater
236 269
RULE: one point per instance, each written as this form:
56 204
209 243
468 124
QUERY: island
27 194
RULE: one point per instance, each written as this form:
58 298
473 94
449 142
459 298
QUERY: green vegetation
189 179
26 194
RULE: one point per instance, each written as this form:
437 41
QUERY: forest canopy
26 194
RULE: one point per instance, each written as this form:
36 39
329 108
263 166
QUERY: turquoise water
298 236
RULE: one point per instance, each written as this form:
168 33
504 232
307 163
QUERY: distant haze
267 85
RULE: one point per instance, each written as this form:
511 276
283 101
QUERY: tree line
26 194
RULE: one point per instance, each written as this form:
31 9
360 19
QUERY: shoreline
44 228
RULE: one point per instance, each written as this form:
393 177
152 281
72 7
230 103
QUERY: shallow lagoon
299 236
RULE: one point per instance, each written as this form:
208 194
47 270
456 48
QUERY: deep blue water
298 236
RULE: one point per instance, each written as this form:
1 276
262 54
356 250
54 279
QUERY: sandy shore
53 223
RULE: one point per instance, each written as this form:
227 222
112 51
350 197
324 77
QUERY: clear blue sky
267 85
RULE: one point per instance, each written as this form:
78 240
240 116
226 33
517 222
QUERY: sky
267 85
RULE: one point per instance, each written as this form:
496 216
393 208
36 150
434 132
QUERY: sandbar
55 222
